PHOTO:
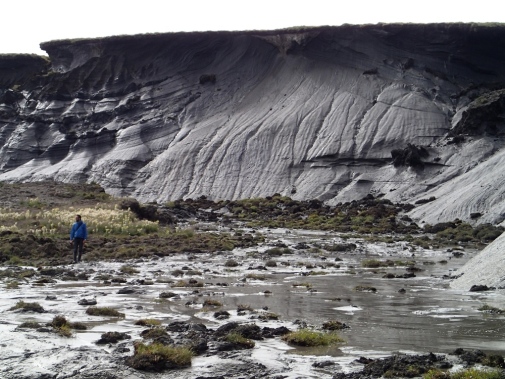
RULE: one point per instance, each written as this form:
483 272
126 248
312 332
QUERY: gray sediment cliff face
334 113
485 269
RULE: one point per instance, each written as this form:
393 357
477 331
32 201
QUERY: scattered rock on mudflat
87 302
129 290
167 295
221 315
112 337
323 364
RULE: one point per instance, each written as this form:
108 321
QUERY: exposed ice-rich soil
329 113
419 314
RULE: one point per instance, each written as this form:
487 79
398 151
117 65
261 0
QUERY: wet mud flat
290 281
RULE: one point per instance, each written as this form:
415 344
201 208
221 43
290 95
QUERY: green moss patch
307 337
104 311
157 357
27 307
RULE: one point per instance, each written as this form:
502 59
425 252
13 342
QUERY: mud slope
313 113
486 268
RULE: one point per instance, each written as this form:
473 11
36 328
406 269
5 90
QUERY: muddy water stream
427 316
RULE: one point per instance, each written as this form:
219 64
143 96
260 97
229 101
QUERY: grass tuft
29 325
125 269
12 285
231 263
154 333
212 303
334 325
471 373
27 307
64 331
104 311
238 339
157 357
189 283
307 337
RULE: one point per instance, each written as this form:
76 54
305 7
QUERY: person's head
77 218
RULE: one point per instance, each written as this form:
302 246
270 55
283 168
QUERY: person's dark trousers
78 246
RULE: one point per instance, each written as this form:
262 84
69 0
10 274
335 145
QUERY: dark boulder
405 366
479 288
87 302
198 346
439 227
251 331
221 315
178 326
411 156
129 290
267 332
226 328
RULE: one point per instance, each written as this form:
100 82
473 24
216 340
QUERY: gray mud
428 316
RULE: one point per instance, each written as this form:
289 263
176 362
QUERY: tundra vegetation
104 311
35 220
158 357
63 327
308 337
151 322
237 339
470 373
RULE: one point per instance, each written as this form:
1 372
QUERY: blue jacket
79 230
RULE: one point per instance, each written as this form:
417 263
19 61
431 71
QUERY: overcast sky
26 23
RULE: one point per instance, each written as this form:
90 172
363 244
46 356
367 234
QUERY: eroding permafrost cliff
313 113
485 269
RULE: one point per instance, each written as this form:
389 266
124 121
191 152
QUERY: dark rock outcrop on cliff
312 113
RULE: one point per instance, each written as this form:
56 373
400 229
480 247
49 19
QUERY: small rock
87 302
128 290
323 364
167 295
221 315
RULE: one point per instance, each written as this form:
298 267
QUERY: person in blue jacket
78 234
